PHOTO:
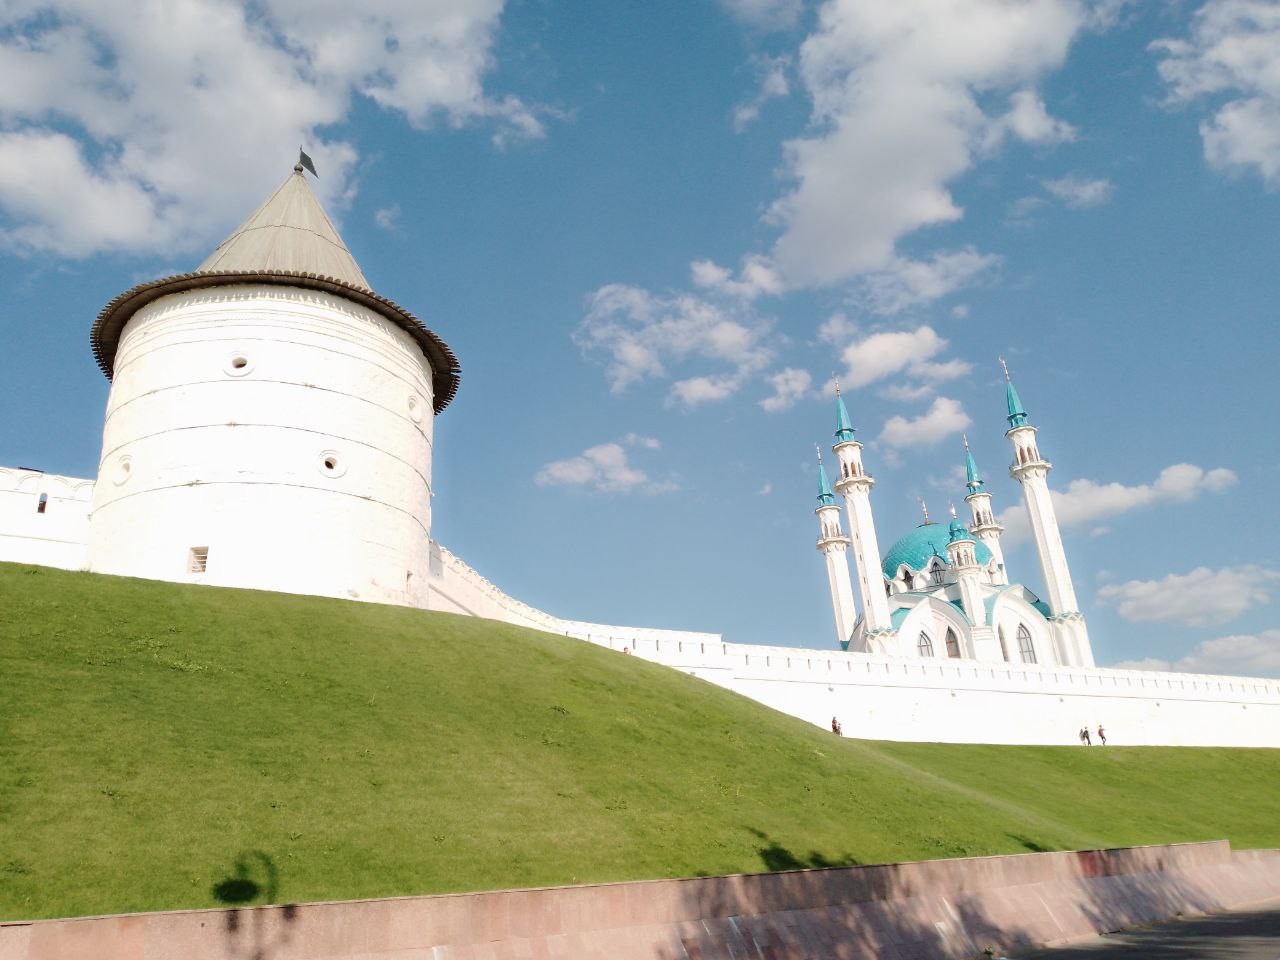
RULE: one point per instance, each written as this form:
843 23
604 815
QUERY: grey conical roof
290 232
288 242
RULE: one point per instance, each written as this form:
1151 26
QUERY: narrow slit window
43 503
199 560
953 644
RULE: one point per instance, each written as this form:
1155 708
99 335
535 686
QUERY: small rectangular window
199 560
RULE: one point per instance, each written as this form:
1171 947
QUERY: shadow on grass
254 882
1028 843
777 858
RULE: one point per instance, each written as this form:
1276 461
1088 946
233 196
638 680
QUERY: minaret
855 486
1032 471
831 544
963 554
984 525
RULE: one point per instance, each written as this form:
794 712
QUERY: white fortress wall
54 537
457 588
942 700
962 701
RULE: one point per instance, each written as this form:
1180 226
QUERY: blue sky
652 233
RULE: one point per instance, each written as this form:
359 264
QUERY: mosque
944 590
270 426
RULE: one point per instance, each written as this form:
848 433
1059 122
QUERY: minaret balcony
838 538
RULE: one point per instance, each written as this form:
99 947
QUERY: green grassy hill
162 746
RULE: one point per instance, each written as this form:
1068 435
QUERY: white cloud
705 389
764 14
789 385
1084 502
1029 121
605 468
837 328
944 418
1231 53
642 335
132 126
1198 598
1078 192
637 440
765 490
771 75
1244 654
896 118
907 393
387 218
884 354
907 283
756 276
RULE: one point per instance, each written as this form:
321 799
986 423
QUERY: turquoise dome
920 544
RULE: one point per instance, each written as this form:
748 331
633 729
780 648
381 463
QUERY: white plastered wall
958 701
286 431
52 538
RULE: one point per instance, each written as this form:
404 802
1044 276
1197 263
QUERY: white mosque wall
958 701
52 537
278 437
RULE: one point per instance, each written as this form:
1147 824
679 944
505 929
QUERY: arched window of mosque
1004 650
42 503
953 644
1025 646
924 646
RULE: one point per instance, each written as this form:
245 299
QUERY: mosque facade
943 590
270 426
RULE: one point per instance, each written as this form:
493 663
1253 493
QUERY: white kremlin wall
54 537
943 700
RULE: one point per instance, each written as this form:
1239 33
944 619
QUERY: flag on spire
305 163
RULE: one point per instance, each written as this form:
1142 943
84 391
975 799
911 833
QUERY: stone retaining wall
938 908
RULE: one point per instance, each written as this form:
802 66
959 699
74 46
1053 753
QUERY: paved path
1245 935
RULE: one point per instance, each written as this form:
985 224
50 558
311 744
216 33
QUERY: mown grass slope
160 744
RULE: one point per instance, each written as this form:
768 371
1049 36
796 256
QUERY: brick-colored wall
939 908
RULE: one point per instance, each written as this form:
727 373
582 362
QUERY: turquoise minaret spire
975 482
825 496
1017 416
844 427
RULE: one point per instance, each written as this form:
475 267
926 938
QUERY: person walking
1101 735
1088 742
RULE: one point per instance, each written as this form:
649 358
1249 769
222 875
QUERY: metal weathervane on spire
304 163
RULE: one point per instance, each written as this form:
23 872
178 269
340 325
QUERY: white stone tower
983 525
855 486
270 418
1032 472
831 544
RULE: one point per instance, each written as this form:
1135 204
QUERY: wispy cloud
1085 502
1198 598
605 468
1230 59
771 80
1240 654
643 336
1080 192
789 385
